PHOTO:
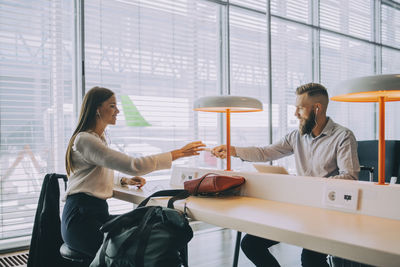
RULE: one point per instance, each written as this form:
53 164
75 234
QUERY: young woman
90 166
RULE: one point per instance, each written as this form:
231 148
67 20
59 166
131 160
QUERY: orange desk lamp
377 88
228 105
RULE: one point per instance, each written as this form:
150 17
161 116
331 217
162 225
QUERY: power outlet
188 175
181 174
340 197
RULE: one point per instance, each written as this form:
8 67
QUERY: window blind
390 61
299 10
160 56
344 58
390 27
35 104
390 30
291 67
255 5
248 77
353 17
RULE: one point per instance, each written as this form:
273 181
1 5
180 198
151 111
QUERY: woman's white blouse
94 164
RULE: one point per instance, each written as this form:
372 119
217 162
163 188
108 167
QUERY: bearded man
321 148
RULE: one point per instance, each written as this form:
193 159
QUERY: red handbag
212 184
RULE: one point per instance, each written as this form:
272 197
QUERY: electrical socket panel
340 198
180 175
188 175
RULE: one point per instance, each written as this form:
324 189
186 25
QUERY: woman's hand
220 151
190 149
137 180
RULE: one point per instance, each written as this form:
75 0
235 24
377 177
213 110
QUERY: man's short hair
316 91
312 89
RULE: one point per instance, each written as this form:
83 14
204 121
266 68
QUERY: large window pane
158 57
35 104
390 26
249 76
291 67
391 62
292 9
343 58
391 65
260 5
352 17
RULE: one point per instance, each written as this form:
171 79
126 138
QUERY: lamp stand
228 140
228 104
381 142
375 88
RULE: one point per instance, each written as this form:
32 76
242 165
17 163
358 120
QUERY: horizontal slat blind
391 65
352 17
344 58
161 56
35 104
390 30
299 10
249 77
291 67
259 5
390 17
390 61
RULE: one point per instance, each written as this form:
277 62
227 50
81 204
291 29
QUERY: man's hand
137 180
190 149
220 151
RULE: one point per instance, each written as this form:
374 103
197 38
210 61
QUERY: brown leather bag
214 184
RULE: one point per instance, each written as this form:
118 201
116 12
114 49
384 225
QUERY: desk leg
185 256
237 247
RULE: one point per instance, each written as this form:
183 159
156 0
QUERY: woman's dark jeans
82 217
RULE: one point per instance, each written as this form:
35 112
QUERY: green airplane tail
132 114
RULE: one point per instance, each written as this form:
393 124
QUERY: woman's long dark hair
93 99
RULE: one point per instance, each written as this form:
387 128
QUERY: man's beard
308 125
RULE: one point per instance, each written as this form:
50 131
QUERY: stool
78 258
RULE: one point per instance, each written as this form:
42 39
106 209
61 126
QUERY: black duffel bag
147 236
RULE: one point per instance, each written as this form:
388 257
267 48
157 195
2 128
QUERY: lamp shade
377 88
368 89
228 104
232 103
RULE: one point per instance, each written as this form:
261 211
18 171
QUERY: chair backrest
368 156
44 247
